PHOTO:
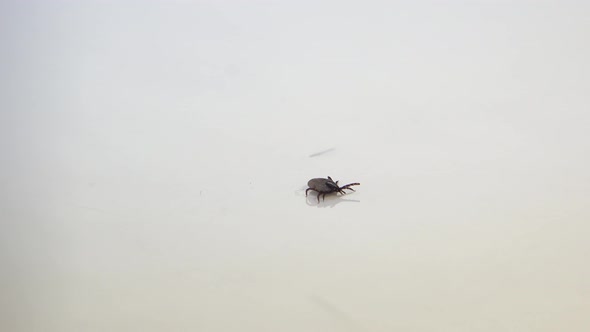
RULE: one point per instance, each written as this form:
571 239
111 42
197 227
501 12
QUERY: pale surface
155 156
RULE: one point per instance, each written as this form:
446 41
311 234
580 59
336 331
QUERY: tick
325 186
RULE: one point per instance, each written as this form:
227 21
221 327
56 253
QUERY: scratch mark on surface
343 318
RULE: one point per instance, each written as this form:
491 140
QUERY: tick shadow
321 152
331 200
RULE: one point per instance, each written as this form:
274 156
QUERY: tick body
326 186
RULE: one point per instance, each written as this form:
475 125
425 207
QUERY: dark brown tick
326 186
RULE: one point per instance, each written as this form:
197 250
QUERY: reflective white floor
155 158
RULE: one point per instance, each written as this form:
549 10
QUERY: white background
154 157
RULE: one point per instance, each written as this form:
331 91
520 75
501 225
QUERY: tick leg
319 193
308 189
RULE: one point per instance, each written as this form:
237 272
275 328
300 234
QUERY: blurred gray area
154 157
